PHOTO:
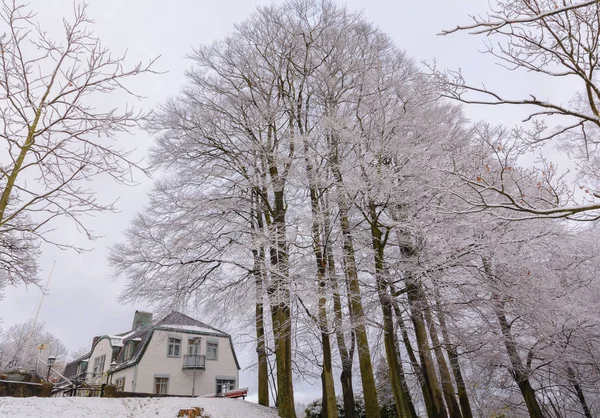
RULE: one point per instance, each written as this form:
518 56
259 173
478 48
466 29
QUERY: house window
120 384
99 365
115 353
161 385
174 347
128 351
212 350
194 346
225 385
82 368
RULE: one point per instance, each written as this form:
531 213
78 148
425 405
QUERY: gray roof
71 368
141 337
180 320
174 321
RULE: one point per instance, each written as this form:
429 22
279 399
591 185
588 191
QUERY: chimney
141 320
94 340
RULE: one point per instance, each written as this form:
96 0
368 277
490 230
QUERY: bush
110 391
313 410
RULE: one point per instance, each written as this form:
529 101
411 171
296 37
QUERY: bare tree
299 146
56 135
23 345
559 41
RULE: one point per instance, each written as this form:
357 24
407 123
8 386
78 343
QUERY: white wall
102 347
128 374
156 362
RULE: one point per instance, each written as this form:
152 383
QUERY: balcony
194 361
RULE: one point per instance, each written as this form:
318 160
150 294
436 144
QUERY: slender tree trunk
517 370
439 410
421 377
259 275
579 392
389 335
346 355
432 395
406 390
18 163
328 399
328 384
445 377
463 397
410 406
279 295
263 371
355 300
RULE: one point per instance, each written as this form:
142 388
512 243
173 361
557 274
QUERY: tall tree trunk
355 299
445 377
260 275
378 239
346 355
407 396
439 409
432 393
328 399
517 369
410 406
263 370
328 385
279 295
421 377
580 396
463 397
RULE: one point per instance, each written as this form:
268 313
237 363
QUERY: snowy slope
128 408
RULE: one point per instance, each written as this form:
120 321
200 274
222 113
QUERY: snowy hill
128 407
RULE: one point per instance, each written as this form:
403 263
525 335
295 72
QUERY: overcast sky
82 298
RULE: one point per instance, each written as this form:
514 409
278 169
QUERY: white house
176 355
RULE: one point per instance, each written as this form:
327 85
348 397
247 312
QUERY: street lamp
113 366
196 352
51 361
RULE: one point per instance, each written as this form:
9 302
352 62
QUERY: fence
147 395
104 390
22 389
96 391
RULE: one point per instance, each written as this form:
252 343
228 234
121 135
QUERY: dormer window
115 353
129 348
82 368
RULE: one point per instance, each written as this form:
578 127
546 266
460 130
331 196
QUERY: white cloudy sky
82 298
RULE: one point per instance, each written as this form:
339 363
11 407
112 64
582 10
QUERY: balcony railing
194 361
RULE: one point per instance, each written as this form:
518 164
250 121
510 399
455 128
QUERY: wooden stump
196 412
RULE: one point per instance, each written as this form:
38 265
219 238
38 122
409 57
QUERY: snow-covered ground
128 408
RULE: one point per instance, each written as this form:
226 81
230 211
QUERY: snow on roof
191 328
177 318
126 335
116 341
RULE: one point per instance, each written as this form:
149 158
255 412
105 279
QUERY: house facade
176 355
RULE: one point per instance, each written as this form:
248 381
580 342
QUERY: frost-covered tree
559 42
509 302
306 188
56 135
23 344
